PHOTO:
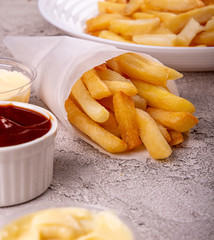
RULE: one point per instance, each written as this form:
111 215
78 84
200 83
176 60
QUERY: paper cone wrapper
60 62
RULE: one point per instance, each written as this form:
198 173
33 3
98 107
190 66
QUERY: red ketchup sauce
19 125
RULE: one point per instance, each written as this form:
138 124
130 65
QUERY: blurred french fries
115 106
152 22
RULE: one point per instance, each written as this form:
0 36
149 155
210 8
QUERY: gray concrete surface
166 200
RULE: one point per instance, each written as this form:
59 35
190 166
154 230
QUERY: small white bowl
24 212
26 169
22 92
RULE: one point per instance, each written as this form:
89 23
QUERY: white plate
71 15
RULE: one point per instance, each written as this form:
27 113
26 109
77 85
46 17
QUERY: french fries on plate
171 23
125 103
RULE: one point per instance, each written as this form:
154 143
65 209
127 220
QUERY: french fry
161 30
92 108
113 65
110 75
102 137
172 73
187 34
151 136
139 102
95 86
101 67
111 125
142 15
209 25
158 97
107 103
110 7
112 36
167 40
126 87
127 27
132 6
178 121
201 15
125 115
175 5
134 67
176 138
206 37
101 22
165 17
164 132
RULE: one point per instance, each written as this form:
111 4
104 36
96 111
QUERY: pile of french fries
125 102
170 23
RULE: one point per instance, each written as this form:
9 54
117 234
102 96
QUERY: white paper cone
60 62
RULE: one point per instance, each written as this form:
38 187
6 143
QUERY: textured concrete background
170 200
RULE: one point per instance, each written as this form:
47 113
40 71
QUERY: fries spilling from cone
125 103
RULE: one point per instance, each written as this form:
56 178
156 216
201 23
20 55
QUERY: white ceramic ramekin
22 93
25 211
26 169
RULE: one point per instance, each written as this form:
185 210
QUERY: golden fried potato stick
101 22
127 87
161 30
178 121
135 67
102 137
159 97
110 75
201 15
101 67
106 34
175 5
113 65
187 34
96 87
111 124
209 25
107 103
132 6
125 115
110 7
176 137
166 40
206 37
164 132
142 15
130 27
172 73
151 136
165 17
92 108
139 102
